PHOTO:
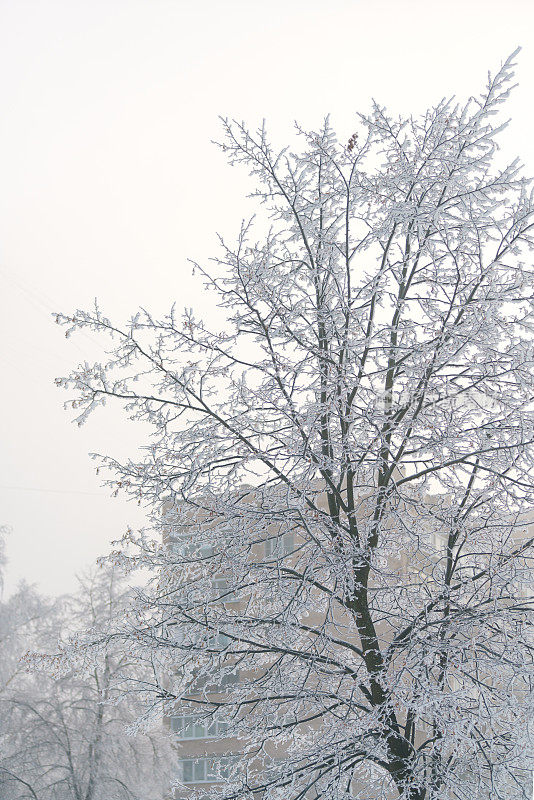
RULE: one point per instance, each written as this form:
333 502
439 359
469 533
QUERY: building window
277 546
218 641
221 589
190 550
205 770
439 543
205 683
190 726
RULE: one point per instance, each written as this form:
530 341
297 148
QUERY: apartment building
205 748
206 752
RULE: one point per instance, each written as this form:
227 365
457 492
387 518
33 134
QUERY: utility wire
50 491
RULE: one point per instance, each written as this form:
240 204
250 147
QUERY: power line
50 491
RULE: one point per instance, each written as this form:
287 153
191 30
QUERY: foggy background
110 182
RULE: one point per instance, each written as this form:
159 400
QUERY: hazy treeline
66 730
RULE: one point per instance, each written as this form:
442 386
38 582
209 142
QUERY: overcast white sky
109 183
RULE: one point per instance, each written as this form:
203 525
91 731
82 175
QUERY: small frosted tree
63 732
341 478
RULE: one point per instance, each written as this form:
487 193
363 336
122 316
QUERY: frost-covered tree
24 622
340 477
63 724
